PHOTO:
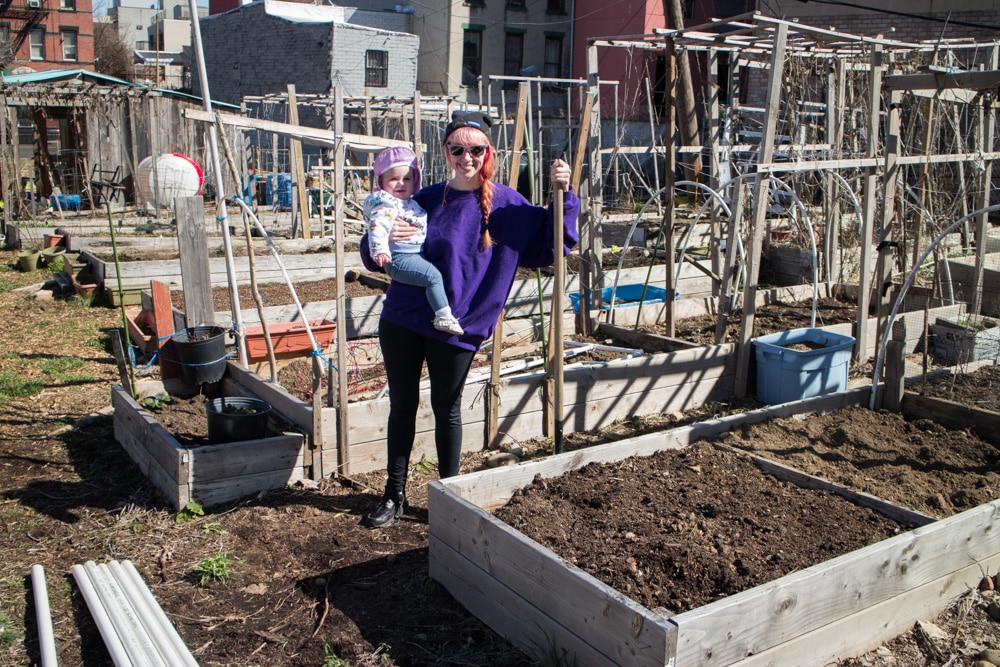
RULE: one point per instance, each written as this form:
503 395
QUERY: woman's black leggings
404 353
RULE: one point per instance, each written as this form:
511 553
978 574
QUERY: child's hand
382 260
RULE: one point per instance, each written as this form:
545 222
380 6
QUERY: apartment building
39 35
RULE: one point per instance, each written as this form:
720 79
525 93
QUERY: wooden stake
295 157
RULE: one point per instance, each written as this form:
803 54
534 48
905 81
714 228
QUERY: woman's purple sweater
477 281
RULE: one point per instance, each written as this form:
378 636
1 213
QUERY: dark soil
768 319
980 389
674 530
308 584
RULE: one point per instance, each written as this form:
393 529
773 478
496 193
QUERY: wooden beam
758 222
984 80
308 135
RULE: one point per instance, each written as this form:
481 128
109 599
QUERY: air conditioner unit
34 4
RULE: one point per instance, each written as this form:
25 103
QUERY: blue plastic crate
626 295
65 202
784 374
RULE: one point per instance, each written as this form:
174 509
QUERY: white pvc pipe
46 637
137 642
164 635
101 618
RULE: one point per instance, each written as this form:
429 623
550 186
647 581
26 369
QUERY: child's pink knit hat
397 156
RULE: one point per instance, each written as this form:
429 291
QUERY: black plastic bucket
201 354
236 418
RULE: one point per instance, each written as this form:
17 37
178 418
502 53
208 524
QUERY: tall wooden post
870 204
987 126
591 272
340 164
761 191
295 160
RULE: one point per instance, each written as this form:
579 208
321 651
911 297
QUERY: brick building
40 35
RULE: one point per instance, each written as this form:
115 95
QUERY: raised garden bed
209 473
832 610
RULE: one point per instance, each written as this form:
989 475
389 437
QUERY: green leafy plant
212 527
7 635
213 568
330 657
191 510
156 402
426 464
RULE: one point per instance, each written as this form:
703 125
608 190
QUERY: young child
397 179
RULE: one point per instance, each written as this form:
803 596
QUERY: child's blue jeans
413 269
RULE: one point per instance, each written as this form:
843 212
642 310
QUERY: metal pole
220 200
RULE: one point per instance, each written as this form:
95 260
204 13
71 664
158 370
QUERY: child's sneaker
448 323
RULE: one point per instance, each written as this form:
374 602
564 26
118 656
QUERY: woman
478 234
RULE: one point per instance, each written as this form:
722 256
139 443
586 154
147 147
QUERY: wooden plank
647 341
218 491
896 513
280 453
193 262
507 613
309 135
620 631
294 410
868 629
148 444
980 80
749 622
952 414
631 376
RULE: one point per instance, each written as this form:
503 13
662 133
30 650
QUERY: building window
68 39
36 44
556 7
4 36
688 9
553 57
472 56
67 4
516 4
725 8
377 69
513 54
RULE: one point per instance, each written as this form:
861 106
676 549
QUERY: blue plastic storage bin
629 295
784 374
65 202
280 192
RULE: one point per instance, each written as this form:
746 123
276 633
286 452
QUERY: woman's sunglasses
474 151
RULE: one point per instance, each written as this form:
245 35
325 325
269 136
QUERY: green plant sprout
213 568
330 657
212 527
7 635
426 464
190 511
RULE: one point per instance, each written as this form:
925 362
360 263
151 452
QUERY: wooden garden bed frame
210 474
832 610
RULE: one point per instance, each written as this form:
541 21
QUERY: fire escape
31 14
